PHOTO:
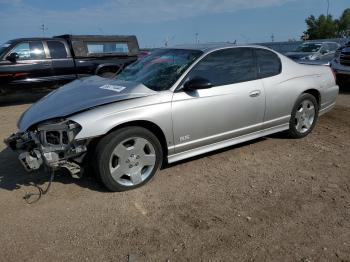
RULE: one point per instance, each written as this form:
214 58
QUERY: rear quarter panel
283 90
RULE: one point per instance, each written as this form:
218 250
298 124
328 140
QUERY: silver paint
209 119
80 95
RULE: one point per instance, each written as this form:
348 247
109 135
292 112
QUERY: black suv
28 64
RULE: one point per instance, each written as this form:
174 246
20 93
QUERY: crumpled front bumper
29 154
51 144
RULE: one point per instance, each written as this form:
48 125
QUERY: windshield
308 47
3 47
160 70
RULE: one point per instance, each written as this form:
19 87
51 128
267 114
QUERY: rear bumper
329 96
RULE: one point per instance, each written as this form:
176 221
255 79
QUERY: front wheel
303 117
128 158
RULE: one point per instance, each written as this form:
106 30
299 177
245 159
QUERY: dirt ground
273 199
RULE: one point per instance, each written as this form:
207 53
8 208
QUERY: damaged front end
50 144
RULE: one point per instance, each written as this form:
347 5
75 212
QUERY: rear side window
333 47
107 47
268 62
227 66
30 50
57 49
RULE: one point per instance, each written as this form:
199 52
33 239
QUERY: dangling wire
41 191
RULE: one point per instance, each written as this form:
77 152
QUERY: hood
80 95
298 55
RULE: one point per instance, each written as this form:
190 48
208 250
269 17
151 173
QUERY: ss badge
184 138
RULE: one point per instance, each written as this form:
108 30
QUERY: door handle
254 93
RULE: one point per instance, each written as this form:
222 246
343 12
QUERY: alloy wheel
132 161
304 116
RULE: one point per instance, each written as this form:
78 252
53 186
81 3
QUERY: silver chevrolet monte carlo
173 104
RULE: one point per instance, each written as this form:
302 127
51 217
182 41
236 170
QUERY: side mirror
197 83
323 52
13 57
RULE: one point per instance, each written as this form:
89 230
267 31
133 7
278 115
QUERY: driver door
31 68
233 107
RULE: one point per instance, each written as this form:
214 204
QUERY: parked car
317 53
174 104
341 65
281 47
34 63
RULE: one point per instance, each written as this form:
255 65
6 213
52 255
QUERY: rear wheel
304 116
128 158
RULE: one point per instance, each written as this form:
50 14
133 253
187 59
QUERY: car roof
30 39
208 47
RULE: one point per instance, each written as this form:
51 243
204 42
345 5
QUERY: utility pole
43 29
327 8
196 38
167 40
272 38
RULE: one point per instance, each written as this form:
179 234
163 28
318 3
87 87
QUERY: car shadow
21 98
13 176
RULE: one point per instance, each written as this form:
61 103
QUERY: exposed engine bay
50 144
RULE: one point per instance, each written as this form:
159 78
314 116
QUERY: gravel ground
273 199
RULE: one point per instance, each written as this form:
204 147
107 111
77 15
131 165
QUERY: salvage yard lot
273 199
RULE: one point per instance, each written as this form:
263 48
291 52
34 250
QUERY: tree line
325 26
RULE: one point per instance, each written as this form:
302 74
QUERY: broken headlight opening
50 144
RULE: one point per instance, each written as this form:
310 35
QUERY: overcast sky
153 21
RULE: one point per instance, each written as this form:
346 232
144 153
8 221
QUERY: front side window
107 47
226 66
269 63
57 49
30 50
160 70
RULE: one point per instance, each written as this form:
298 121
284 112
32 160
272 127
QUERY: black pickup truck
29 64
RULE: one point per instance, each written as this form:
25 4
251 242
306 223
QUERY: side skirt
226 143
326 109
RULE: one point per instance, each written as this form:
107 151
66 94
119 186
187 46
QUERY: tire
304 116
127 158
